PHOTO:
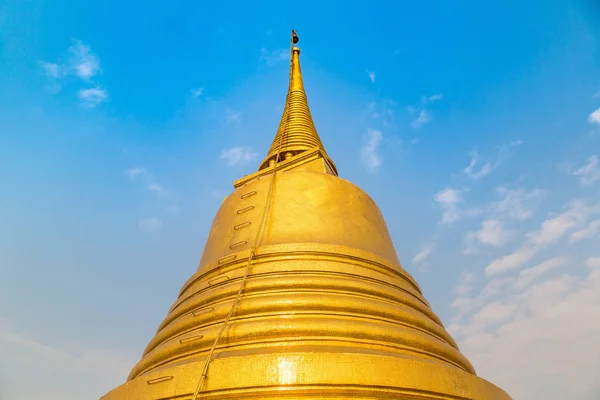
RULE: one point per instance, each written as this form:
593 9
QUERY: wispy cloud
238 155
93 96
151 224
133 173
88 361
232 116
492 233
449 200
516 204
423 115
594 117
271 57
421 120
503 324
371 75
465 285
424 253
528 276
589 173
593 263
52 70
477 169
83 63
474 170
551 231
383 112
592 230
369 153
197 92
156 189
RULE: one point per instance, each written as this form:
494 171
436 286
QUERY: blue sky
475 128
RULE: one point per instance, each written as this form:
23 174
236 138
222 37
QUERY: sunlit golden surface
301 294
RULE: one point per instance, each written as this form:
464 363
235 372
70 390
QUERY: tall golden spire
296 132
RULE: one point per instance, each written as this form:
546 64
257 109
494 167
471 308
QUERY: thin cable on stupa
257 242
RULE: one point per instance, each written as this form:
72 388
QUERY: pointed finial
296 132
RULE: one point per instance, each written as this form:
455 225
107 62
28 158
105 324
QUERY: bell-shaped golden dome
300 294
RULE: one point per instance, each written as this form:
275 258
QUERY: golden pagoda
300 294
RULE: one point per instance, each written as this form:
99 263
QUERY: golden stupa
300 294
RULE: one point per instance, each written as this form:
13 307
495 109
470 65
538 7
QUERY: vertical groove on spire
296 132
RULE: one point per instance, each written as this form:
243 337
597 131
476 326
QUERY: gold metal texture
299 294
296 132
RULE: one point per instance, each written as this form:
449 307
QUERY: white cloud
552 230
93 96
384 112
449 200
593 263
556 227
151 224
369 153
156 189
424 253
238 156
371 76
271 57
492 233
435 97
448 196
133 173
89 361
537 338
84 65
475 173
52 70
475 170
197 92
83 62
590 231
493 313
511 261
232 116
517 204
421 120
529 275
465 285
594 117
589 173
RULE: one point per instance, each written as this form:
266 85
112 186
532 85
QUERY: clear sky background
474 125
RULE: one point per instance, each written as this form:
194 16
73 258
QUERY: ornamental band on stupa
299 294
